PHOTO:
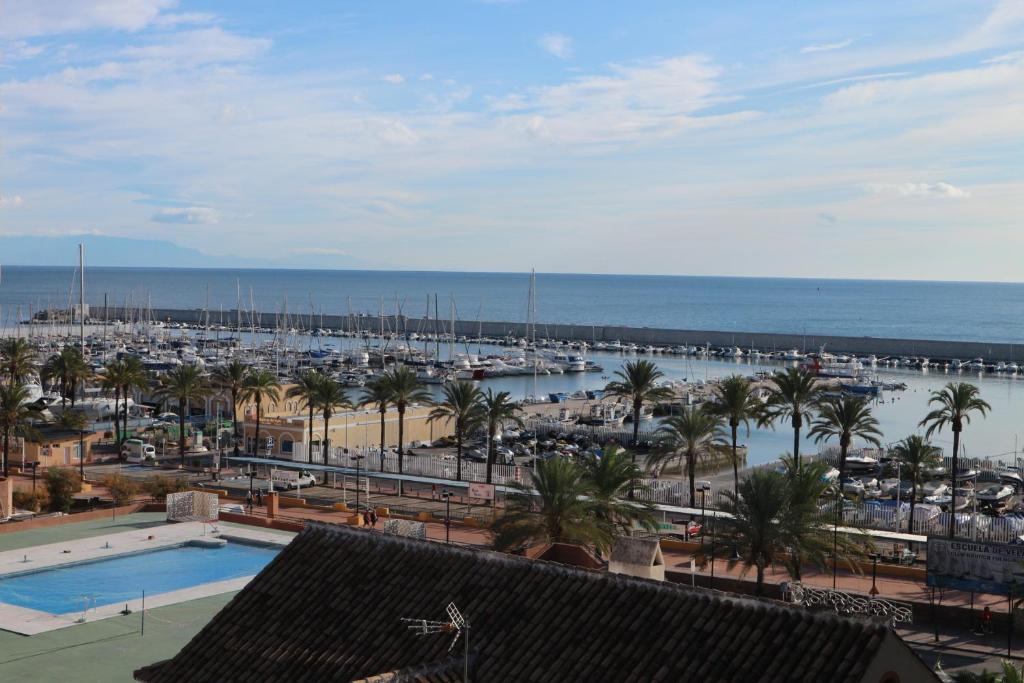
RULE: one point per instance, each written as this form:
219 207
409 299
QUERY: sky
866 140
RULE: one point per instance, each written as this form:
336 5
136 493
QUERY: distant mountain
101 250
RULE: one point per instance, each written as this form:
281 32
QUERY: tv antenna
456 624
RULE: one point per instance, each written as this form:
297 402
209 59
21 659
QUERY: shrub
30 500
158 486
62 485
121 488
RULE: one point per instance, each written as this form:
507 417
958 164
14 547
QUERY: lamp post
357 458
874 575
703 487
447 495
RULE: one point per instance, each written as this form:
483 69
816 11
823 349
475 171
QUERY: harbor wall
766 341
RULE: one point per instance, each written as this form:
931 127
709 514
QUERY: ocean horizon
911 309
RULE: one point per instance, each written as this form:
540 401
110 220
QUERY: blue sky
869 139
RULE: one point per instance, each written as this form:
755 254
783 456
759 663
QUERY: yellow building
357 429
52 448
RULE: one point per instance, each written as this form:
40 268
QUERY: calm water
118 580
921 310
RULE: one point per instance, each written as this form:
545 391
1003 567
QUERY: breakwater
403 325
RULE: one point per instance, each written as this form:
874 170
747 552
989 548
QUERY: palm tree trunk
117 419
490 452
759 587
327 435
256 440
954 467
401 434
181 432
691 468
843 447
735 461
311 433
383 411
637 407
913 499
7 448
797 423
234 419
458 451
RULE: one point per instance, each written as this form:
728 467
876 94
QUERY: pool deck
106 541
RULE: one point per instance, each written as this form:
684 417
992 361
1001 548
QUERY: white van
137 451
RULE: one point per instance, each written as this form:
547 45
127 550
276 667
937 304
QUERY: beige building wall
353 429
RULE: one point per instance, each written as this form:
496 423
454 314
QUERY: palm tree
183 384
229 379
306 389
69 369
377 394
498 410
693 434
404 388
916 456
845 418
462 405
561 511
609 478
123 376
956 401
16 415
737 404
808 540
16 358
113 374
793 395
758 528
330 395
260 385
637 384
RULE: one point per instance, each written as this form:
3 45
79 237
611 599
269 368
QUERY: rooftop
330 606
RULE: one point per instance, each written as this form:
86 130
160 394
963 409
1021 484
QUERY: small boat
994 495
934 488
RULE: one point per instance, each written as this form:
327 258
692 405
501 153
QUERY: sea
921 310
962 311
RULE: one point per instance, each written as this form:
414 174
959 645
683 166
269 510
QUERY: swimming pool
119 579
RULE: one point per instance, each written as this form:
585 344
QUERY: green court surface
106 650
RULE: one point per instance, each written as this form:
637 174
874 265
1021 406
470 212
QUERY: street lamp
357 458
447 495
874 575
703 487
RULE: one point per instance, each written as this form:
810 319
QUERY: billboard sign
482 491
995 568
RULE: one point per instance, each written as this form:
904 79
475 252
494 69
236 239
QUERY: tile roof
329 608
645 552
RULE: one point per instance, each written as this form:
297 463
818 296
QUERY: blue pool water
117 580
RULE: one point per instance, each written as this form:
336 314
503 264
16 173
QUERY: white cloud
556 44
26 18
11 202
189 215
200 46
19 50
174 20
426 77
939 189
826 47
396 79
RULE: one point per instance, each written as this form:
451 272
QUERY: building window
286 444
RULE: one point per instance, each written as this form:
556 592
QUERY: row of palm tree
469 409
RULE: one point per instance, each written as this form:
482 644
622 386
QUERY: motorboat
994 495
889 486
934 487
830 475
792 354
853 486
1011 478
861 462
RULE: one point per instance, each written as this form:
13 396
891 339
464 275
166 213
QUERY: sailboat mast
81 295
